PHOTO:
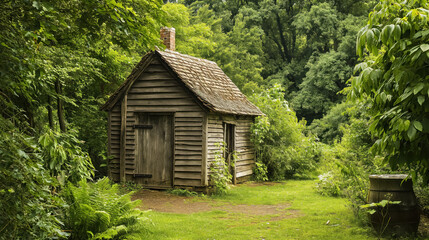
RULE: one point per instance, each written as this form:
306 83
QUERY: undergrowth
99 211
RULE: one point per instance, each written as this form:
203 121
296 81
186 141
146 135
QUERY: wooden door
229 134
154 162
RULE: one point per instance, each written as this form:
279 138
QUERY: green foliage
393 80
278 138
346 165
328 128
260 172
183 192
28 205
382 209
220 176
326 76
64 158
98 211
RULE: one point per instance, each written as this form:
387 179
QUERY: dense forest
343 85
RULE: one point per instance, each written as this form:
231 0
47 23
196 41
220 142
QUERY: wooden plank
109 143
154 76
165 82
188 147
245 173
189 119
187 153
161 102
186 128
190 114
188 143
204 178
146 96
187 175
245 162
188 133
153 68
188 163
188 169
159 90
163 108
189 138
187 182
188 157
188 124
123 138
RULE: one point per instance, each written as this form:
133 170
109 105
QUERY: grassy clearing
309 213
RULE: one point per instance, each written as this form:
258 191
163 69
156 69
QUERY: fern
98 211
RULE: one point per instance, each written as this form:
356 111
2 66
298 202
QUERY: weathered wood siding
243 145
114 140
156 90
244 148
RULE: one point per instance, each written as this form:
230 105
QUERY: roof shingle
205 79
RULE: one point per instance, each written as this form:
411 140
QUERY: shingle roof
204 78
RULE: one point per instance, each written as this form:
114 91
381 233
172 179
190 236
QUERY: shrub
183 192
220 176
28 206
279 140
98 211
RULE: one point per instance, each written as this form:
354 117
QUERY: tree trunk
50 116
60 107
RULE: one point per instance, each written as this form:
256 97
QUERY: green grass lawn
309 215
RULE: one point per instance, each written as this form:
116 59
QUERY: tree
393 80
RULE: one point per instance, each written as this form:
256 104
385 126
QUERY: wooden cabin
164 122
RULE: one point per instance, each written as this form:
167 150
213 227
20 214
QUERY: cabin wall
156 90
243 146
114 131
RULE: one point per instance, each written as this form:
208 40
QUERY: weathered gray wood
188 175
158 96
187 182
245 173
204 178
155 76
155 154
154 83
123 138
187 163
188 169
161 102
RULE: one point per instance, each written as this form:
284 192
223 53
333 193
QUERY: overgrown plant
220 176
98 211
279 140
183 192
260 172
381 209
64 158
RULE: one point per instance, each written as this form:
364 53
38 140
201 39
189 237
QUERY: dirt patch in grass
165 202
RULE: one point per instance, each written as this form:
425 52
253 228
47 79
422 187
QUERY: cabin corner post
109 145
204 159
123 139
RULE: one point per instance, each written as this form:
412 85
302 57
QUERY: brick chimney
168 36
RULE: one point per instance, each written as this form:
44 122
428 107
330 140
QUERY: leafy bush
28 206
327 128
279 140
220 176
260 172
183 192
98 211
64 157
347 164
